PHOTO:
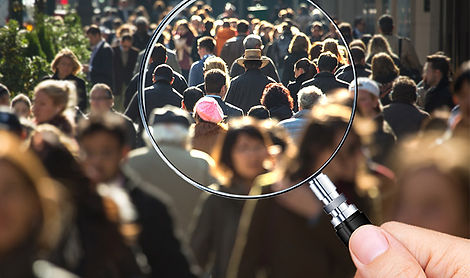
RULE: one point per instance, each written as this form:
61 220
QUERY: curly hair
275 94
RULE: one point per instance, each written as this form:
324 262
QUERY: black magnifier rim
143 115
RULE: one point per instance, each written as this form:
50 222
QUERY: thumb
376 253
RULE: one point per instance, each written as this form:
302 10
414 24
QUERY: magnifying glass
345 217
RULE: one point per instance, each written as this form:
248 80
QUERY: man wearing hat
246 90
156 96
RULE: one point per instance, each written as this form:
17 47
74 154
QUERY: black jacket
346 73
404 118
438 97
294 88
280 113
102 66
228 109
246 90
123 73
289 62
82 98
269 70
326 82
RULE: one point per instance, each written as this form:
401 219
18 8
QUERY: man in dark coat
436 76
246 90
325 80
100 67
233 48
303 71
346 73
215 82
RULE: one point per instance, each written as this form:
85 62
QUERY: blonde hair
378 44
77 66
299 42
214 62
62 93
332 46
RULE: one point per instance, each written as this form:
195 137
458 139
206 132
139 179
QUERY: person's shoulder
342 83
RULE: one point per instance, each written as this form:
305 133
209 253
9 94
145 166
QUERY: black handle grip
348 226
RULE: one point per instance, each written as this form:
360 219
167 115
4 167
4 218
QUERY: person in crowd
346 73
170 129
304 18
298 49
34 209
124 59
279 47
401 114
172 60
239 160
21 105
233 48
254 42
102 101
358 43
462 95
276 98
303 71
403 47
9 121
259 112
359 27
384 72
325 80
158 57
246 90
141 36
436 75
332 46
215 82
379 44
316 32
307 98
102 140
100 66
224 33
315 51
53 104
183 38
347 31
190 96
66 66
209 127
160 94
208 25
214 63
206 47
4 95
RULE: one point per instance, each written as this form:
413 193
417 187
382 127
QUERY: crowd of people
243 106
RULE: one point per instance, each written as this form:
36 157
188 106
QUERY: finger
440 255
378 254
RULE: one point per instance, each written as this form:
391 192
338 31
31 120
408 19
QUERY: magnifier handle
345 229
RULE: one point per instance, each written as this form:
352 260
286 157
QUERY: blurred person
141 36
437 76
21 105
214 62
332 46
332 33
379 44
325 79
171 58
347 32
462 95
223 34
102 101
259 112
209 127
254 42
9 121
66 66
315 51
303 71
206 47
4 95
276 98
307 98
280 46
170 129
402 46
316 32
190 96
233 47
358 43
359 27
384 72
34 210
196 23
183 37
103 145
298 48
53 104
346 72
401 114
123 10
246 90
239 160
100 66
207 26
303 18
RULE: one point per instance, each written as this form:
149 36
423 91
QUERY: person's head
304 66
462 91
327 62
299 43
182 27
359 24
104 144
101 98
158 54
404 90
214 62
308 97
32 206
332 46
347 31
208 24
315 51
66 63
358 43
436 68
317 29
21 105
126 42
9 121
367 97
275 95
215 82
205 45
207 110
384 69
94 35
4 95
243 27
386 24
358 55
170 126
253 41
252 59
259 112
378 44
241 153
142 24
52 98
433 185
190 96
164 74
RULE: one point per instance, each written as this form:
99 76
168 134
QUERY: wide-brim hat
253 55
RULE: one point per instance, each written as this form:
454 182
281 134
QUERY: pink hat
209 110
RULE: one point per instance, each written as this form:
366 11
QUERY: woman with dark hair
298 48
277 99
183 38
384 72
240 157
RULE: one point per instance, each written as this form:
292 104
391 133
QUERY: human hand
400 250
